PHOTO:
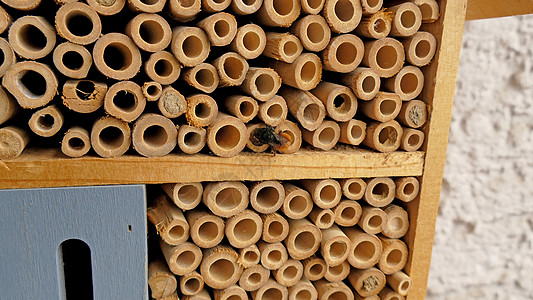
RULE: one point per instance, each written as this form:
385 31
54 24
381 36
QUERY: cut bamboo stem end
313 32
383 108
364 82
412 139
161 281
233 292
191 139
146 6
125 100
407 19
8 106
420 48
162 67
5 20
413 114
221 28
275 228
78 23
368 282
244 229
375 26
399 282
215 5
289 273
202 295
13 140
353 188
125 61
201 110
374 297
107 8
343 53
182 259
183 11
9 56
190 45
332 290
249 257
342 15
169 221
298 203
322 218
282 46
407 84
372 219
337 273
335 246
394 256
326 193
273 255
219 267
152 90
305 107
227 136
172 103
250 144
191 284
206 230
314 268
347 213
203 77
312 7
261 83
340 102
380 191
388 294
243 107
154 135
303 290
22 4
293 134
150 32
384 137
245 7
384 56
271 290
278 13
365 249
303 239
110 137
407 188
430 10
371 6
46 122
304 73
254 277
72 60
22 40
267 196
185 195
397 223
227 198
231 68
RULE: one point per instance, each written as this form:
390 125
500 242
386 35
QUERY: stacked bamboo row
305 240
162 75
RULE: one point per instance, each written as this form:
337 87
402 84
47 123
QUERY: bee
267 135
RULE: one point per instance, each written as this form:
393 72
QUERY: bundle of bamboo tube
168 75
312 239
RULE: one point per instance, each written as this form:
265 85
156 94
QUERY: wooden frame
484 9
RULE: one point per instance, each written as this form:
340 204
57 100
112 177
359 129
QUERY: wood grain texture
485 9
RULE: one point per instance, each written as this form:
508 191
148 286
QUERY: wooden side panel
485 9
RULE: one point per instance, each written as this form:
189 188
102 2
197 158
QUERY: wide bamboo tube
261 83
22 4
298 203
368 282
271 290
371 6
32 84
340 102
203 77
231 68
152 90
154 135
278 13
227 198
342 15
219 267
244 229
172 103
169 221
143 6
125 100
407 188
84 96
326 193
185 195
267 196
407 84
9 56
388 294
191 284
412 139
162 67
275 228
182 259
161 281
303 290
383 108
221 28
335 246
305 107
190 45
243 107
364 82
273 255
254 277
314 268
282 46
227 136
106 7
76 142
384 137
375 26
313 32
202 295
365 249
13 140
379 191
201 110
245 7
337 273
72 60
250 41
5 20
384 56
304 73
150 32
353 132
258 148
332 290
290 273
322 218
78 23
32 37
191 139
343 53
347 213
394 256
420 48
312 7
183 11
215 5
399 282
47 121
116 56
207 230
8 106
293 134
233 292
249 257
429 8
407 19
413 114
353 188
303 239
110 137
372 219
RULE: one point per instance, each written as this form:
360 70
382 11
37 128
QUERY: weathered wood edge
486 9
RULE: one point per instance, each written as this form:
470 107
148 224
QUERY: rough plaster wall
484 238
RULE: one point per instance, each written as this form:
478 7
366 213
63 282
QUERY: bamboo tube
161 281
110 137
326 193
412 139
368 282
32 37
83 96
365 249
278 13
407 84
183 11
384 56
290 273
107 7
231 68
22 4
342 15
250 144
47 121
340 102
169 221
394 256
413 114
267 196
207 230
407 19
243 107
372 219
379 191
233 292
245 7
293 134
226 199
429 8
191 139
333 290
314 268
254 277
227 136
282 46
275 228
273 255
384 137
244 229
152 90
8 106
399 282
190 45
364 82
407 188
249 257
298 203
322 218
219 267
347 213
72 60
261 83
375 26
32 84
305 107
78 23
203 77
202 295
185 195
5 20
337 273
215 5
172 103
271 290
125 100
150 32
371 6
191 284
388 294
162 67
154 135
312 7
201 110
303 290
221 28
9 56
142 6
353 132
313 32
304 73
353 188
334 246
116 56
303 239
383 108
13 140
343 53
357 297
182 259
420 48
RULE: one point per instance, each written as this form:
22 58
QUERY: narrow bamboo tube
207 230
278 13
32 84
76 142
226 199
182 259
371 6
347 213
282 46
8 106
342 15
430 10
343 54
353 132
413 114
365 249
290 273
298 203
162 67
32 37
150 32
244 7
201 110
383 108
275 228
372 219
337 273
340 102
191 284
5 20
384 137
9 56
249 257
375 26
190 45
84 96
185 195
273 255
221 28
353 188
313 32
13 140
399 282
191 139
380 191
152 90
243 107
385 56
231 68
333 290
169 221
304 73
161 281
314 268
78 23
110 137
125 100
303 239
250 144
233 292
271 290
72 60
183 11
303 290
334 246
154 135
326 193
388 294
407 84
172 103
412 139
407 19
267 196
364 82
407 188
368 282
254 277
244 229
107 7
292 132
261 83
322 218
420 48
312 7
116 56
142 6
227 136
219 267
394 256
215 5
203 77
202 295
305 107
47 121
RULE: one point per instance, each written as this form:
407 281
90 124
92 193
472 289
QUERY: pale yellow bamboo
244 229
206 229
219 267
76 142
161 281
275 228
169 221
254 277
185 195
13 140
154 135
407 188
273 255
226 199
182 259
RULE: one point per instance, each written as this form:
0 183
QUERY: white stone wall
484 238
